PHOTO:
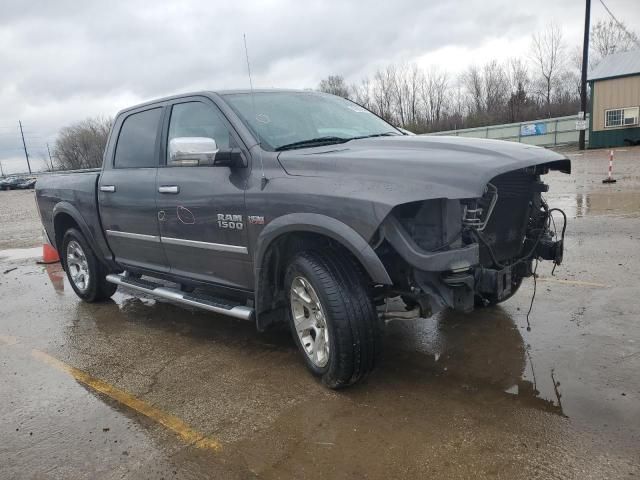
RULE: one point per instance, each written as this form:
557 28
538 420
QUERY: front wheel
332 317
86 274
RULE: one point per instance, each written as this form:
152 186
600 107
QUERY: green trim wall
614 137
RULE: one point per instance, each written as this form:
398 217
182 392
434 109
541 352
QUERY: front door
127 192
201 207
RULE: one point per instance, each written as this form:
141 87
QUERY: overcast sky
65 60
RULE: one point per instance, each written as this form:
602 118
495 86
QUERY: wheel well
271 294
61 224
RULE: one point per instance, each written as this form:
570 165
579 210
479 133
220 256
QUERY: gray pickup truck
305 208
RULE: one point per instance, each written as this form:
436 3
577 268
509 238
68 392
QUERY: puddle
597 203
490 353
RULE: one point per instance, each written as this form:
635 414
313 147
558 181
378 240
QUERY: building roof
617 65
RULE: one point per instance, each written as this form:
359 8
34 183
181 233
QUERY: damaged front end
460 253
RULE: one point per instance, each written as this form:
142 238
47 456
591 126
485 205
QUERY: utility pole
585 63
1 170
50 159
25 147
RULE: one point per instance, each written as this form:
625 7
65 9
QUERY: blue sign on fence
533 129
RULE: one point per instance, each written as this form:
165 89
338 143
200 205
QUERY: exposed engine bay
462 253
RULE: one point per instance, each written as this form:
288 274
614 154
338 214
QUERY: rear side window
136 145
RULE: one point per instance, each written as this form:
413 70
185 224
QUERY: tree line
544 84
82 144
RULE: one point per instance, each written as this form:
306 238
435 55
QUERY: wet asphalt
454 396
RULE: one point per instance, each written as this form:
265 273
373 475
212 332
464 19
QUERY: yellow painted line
573 282
184 431
8 339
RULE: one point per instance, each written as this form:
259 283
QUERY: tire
349 323
80 262
491 300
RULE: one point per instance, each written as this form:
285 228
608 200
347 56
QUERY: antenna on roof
263 180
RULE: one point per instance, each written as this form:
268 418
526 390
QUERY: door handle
108 188
169 189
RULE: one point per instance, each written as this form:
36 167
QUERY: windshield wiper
312 142
385 134
330 140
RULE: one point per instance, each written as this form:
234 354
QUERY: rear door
127 191
201 208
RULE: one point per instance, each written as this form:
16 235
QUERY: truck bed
75 194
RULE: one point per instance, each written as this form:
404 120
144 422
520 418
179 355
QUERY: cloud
63 61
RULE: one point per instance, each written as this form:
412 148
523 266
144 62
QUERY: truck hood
429 166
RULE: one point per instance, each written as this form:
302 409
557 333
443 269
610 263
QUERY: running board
205 302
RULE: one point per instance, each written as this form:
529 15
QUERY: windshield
284 120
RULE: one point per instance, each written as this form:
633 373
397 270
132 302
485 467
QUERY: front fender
324 225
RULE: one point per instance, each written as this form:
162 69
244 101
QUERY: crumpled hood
436 166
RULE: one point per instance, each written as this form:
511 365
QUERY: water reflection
597 203
56 276
481 350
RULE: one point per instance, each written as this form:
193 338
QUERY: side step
204 302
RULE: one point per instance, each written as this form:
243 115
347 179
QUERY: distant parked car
25 184
9 183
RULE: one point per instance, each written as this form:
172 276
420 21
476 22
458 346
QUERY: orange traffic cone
49 253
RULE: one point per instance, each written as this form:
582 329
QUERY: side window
196 133
136 145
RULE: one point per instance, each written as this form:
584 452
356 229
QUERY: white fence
547 132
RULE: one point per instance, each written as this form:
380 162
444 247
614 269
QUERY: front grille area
505 231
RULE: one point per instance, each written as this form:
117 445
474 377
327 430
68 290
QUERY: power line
632 37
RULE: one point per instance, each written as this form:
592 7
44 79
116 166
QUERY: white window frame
628 113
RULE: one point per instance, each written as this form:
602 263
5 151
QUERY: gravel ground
19 220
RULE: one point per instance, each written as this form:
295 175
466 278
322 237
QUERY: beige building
615 101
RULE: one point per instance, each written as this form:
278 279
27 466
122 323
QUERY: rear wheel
86 274
332 317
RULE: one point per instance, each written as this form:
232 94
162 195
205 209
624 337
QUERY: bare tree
406 81
472 81
361 94
519 84
383 93
548 55
398 94
434 94
610 37
487 90
413 81
496 88
335 85
82 144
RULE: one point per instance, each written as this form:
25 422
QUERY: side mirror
229 157
192 151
